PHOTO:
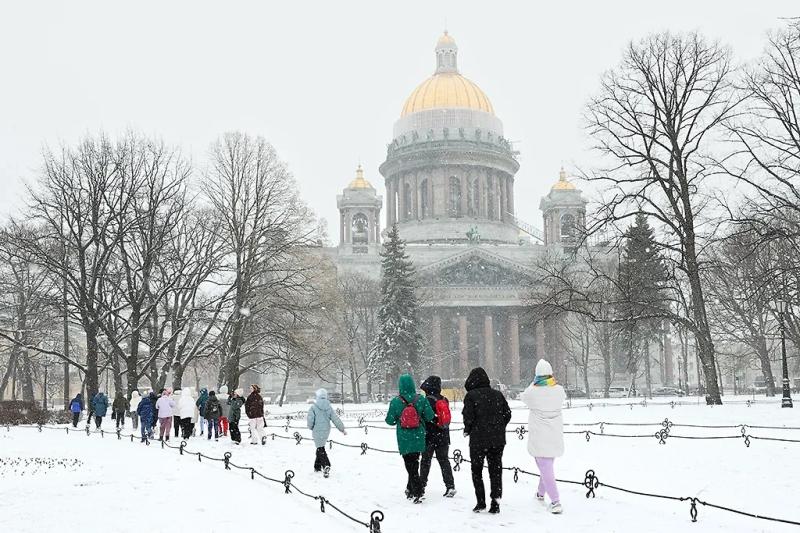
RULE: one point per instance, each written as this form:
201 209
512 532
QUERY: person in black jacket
437 439
486 415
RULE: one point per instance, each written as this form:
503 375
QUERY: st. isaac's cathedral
449 179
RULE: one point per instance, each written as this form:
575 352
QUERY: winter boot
326 471
540 499
408 495
555 508
419 499
494 508
450 492
479 507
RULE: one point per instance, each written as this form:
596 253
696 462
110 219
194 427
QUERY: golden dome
447 90
359 182
562 184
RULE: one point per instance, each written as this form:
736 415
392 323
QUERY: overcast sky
323 81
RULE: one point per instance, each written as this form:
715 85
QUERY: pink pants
166 424
547 481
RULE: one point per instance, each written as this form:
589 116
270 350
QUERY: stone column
389 203
463 182
503 193
431 203
511 195
483 209
463 353
436 338
341 227
401 198
348 228
488 352
513 346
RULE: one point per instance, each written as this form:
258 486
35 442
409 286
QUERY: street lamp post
786 401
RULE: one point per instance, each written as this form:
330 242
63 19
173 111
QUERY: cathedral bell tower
359 217
564 213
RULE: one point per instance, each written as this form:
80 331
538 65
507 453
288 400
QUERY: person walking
437 436
185 410
176 417
165 407
146 410
213 412
120 407
410 411
133 406
545 398
486 415
201 406
154 419
320 416
223 401
235 403
99 408
75 407
254 409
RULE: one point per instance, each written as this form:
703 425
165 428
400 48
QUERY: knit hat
543 368
240 392
223 389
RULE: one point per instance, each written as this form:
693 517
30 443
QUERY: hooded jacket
320 416
435 436
409 440
134 403
120 403
100 404
165 406
545 422
235 404
76 405
254 406
486 413
213 407
146 410
222 396
201 401
177 396
186 407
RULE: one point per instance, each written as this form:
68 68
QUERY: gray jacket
319 419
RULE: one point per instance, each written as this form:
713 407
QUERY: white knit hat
543 368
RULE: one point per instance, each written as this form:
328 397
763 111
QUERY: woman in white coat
135 399
545 398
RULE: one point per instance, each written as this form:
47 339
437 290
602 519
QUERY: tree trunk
283 387
177 376
10 370
92 374
766 368
27 376
648 377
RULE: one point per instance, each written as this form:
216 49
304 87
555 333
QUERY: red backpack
442 413
409 418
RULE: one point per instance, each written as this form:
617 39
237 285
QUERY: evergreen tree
642 279
398 341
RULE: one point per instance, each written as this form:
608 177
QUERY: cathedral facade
449 179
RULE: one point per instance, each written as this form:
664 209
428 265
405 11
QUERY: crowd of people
422 422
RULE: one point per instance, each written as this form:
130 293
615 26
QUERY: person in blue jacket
146 410
201 406
100 407
75 407
320 416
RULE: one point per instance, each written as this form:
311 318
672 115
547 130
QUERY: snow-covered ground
104 484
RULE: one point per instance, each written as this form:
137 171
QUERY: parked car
760 386
619 392
668 391
335 397
575 392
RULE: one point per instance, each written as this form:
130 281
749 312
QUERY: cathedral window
567 227
473 198
454 207
360 229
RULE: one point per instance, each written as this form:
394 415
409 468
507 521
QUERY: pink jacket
165 406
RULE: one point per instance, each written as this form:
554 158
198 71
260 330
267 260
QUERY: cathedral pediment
475 268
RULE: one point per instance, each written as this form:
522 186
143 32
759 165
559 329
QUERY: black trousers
120 418
494 456
414 485
176 421
236 435
186 427
444 463
322 459
75 418
98 420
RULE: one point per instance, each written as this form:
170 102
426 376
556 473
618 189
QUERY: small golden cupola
562 184
360 182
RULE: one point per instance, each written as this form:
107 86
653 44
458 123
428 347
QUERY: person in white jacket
185 410
545 398
135 399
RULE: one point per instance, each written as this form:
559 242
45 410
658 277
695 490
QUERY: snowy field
74 482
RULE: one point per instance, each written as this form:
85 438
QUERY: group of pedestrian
422 422
216 415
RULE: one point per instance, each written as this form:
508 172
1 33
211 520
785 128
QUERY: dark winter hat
432 385
212 393
477 379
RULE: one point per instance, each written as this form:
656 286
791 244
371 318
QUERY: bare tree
655 118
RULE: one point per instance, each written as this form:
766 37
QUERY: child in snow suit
133 406
235 402
437 438
544 398
201 406
320 416
486 415
99 407
146 411
75 407
254 408
223 401
213 412
164 406
410 431
120 407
